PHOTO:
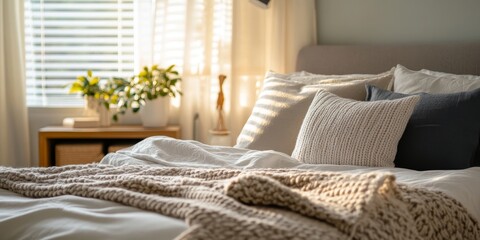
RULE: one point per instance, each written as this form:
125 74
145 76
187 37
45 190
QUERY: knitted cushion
284 101
347 132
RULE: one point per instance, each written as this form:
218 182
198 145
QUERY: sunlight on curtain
195 35
205 38
266 39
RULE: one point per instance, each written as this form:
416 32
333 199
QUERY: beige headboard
346 59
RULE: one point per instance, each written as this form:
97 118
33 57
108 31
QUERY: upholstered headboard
346 59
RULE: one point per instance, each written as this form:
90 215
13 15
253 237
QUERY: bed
260 170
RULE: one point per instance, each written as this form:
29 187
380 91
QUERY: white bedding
70 217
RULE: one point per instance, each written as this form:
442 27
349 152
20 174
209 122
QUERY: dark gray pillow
442 133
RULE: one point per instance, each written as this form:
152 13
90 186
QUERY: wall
397 21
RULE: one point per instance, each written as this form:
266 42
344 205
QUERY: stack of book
81 122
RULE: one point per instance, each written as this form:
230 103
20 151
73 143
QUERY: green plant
109 93
148 85
104 91
86 85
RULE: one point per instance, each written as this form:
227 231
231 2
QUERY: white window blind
65 38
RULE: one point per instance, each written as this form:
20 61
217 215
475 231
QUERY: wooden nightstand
66 145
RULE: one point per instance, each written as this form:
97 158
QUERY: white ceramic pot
155 112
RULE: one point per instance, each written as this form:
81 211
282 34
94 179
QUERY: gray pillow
442 133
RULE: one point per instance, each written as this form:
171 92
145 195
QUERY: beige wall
398 21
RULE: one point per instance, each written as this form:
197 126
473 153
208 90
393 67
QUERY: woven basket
80 153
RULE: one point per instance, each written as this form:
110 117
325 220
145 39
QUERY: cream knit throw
260 204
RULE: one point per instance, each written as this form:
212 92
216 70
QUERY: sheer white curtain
205 38
195 35
266 39
14 143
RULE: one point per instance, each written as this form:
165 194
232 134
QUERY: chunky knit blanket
260 204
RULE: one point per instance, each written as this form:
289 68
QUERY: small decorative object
220 134
220 128
98 97
150 92
261 3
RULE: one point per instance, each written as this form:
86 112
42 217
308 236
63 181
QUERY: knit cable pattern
260 204
346 132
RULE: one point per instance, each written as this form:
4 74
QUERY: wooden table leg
44 151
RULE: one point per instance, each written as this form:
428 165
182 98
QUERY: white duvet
70 217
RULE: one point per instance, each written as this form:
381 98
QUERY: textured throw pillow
407 81
279 111
347 132
443 132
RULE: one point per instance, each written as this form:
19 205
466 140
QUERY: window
65 38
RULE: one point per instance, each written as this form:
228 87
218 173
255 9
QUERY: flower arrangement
87 85
104 92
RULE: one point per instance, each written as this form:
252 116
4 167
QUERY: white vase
155 113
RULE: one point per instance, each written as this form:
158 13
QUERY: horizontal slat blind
65 38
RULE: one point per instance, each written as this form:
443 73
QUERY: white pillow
347 132
312 78
279 111
443 74
407 81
